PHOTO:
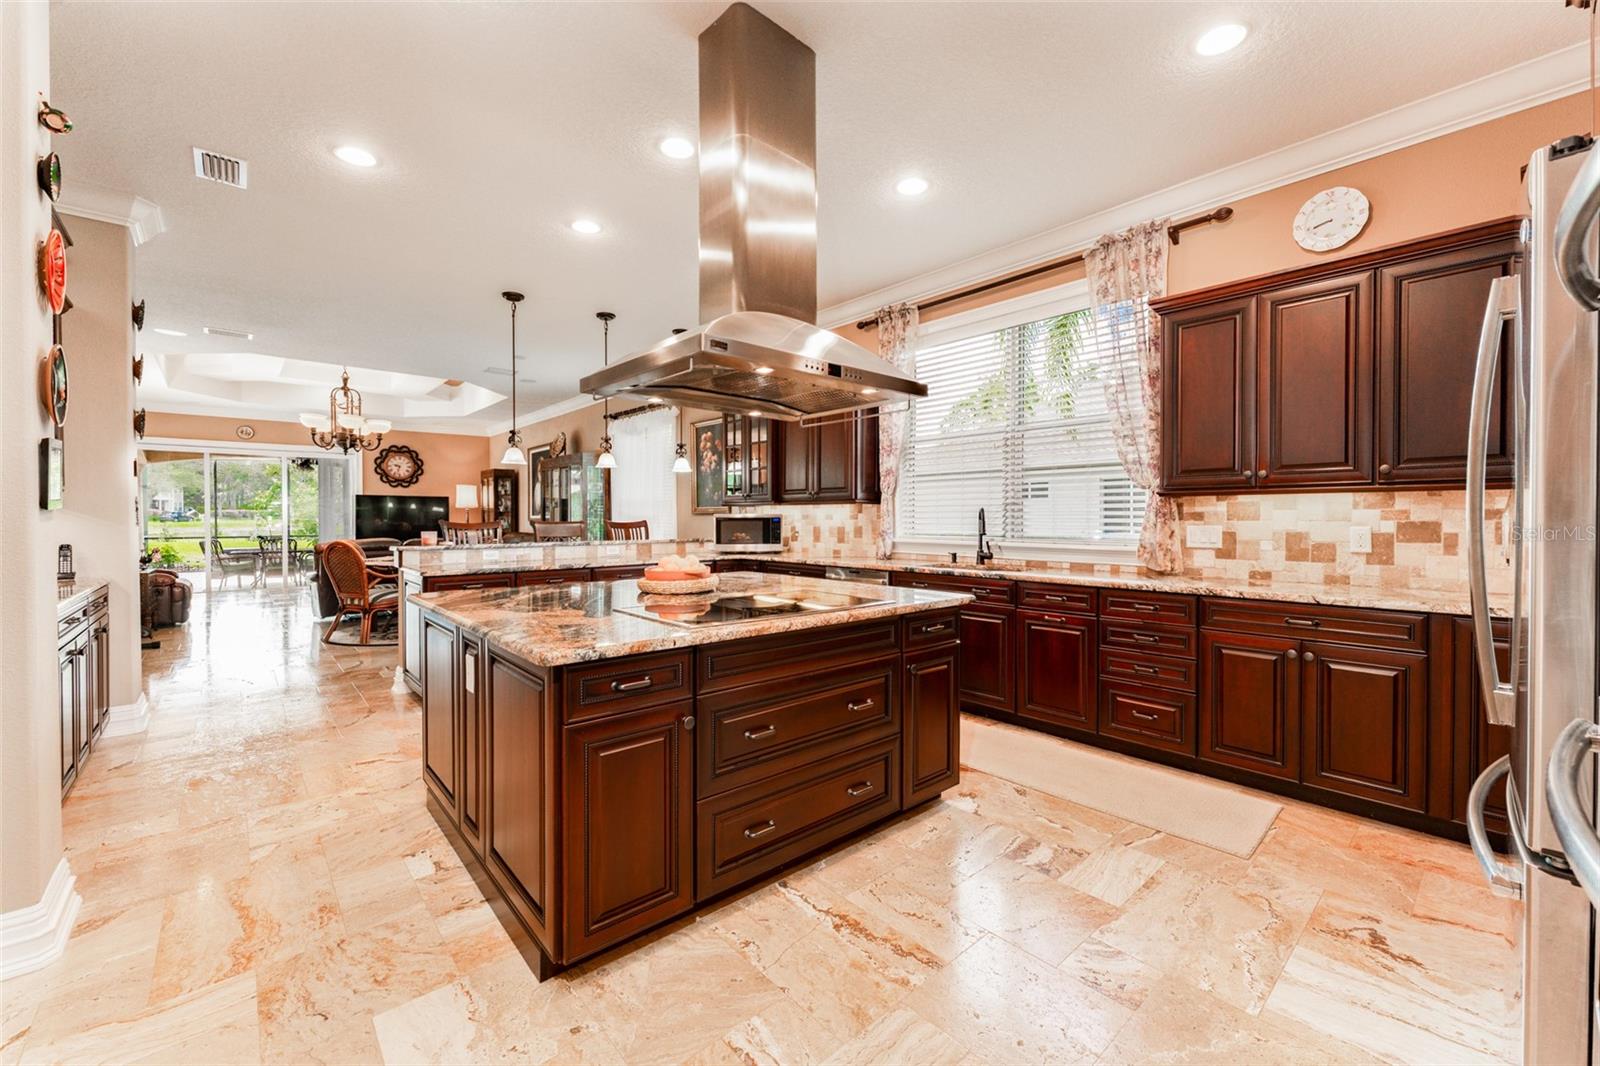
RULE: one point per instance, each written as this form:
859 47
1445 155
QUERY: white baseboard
129 718
35 936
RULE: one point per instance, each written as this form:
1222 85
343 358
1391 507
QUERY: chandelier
344 426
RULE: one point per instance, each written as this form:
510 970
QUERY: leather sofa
169 598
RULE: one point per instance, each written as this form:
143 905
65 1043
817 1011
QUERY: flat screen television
400 517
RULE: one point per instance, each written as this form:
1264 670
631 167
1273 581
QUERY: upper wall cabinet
1349 373
835 461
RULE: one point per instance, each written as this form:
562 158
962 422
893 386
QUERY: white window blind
643 485
1016 422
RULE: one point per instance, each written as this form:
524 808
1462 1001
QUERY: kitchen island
605 761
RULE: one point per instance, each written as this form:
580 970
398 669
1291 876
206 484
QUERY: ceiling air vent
224 169
222 331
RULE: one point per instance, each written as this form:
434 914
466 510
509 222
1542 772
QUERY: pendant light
607 461
513 455
680 461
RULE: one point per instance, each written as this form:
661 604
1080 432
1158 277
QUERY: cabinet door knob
688 722
1311 656
1249 475
1261 473
1291 653
1385 469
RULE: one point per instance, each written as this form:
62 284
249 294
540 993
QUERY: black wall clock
398 466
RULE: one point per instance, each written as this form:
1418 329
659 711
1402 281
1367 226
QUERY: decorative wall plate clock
53 384
245 432
1331 219
53 119
398 466
50 176
53 271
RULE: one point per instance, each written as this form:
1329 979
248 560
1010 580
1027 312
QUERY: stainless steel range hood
757 350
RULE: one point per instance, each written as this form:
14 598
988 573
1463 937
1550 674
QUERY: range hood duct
758 350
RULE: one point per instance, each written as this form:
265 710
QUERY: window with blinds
1016 422
643 485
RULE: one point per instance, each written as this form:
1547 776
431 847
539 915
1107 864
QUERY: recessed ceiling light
356 157
677 148
911 186
169 332
869 391
1220 39
763 370
586 225
656 399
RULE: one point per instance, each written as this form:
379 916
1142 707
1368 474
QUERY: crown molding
143 218
467 428
1537 81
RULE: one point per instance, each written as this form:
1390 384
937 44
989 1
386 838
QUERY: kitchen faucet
984 553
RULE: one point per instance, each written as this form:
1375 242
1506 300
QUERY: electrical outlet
1361 539
1198 536
612 550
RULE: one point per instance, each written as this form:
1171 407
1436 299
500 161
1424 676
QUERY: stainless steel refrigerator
1543 319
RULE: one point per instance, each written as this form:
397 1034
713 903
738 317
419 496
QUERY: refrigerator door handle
1574 829
1499 696
1504 878
1573 224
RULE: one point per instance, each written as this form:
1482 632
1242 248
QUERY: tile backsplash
1418 538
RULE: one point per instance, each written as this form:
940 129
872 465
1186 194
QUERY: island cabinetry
441 727
930 701
988 631
550 577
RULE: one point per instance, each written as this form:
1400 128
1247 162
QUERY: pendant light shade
607 461
680 460
513 455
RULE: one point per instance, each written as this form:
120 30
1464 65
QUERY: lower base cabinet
83 658
1365 720
1153 717
1250 703
1056 668
931 705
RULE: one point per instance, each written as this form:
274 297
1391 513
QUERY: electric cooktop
725 608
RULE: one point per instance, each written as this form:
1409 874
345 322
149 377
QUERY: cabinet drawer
1148 669
983 589
794 569
1159 718
1351 625
926 630
457 582
1066 598
1163 607
1164 640
807 653
625 684
550 577
617 573
747 832
748 734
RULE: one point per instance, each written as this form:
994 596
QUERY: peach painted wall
448 459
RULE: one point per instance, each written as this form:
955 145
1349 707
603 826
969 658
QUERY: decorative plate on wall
398 466
53 384
50 176
53 270
245 432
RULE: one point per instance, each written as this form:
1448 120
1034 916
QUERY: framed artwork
709 454
537 454
52 473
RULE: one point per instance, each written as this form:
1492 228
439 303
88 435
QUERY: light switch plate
612 550
1361 539
1198 536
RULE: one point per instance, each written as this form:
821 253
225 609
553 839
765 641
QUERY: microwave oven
750 532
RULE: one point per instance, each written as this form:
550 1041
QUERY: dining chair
628 530
233 564
564 532
470 533
359 588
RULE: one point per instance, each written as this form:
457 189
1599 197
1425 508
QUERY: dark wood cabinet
1427 355
70 663
988 657
1475 741
931 704
1208 432
629 799
1056 668
1151 717
470 716
83 657
1365 721
750 446
835 461
499 492
1314 383
1250 703
1350 372
521 759
440 707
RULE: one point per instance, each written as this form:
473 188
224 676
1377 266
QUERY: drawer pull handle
1140 668
938 627
859 790
1303 623
760 734
761 830
637 685
1145 716
862 705
919 584
1054 598
1147 608
1146 638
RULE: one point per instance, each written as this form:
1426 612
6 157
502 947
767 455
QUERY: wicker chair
234 564
627 530
558 531
471 532
354 584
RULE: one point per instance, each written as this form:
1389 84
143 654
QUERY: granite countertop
71 595
576 623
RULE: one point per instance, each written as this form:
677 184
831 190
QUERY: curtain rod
1221 214
642 409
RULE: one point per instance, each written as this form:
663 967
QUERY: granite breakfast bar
605 761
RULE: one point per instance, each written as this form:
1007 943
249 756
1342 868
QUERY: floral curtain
1126 271
897 342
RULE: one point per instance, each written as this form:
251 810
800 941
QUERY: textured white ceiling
496 125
